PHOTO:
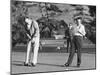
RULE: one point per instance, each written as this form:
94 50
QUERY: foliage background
53 19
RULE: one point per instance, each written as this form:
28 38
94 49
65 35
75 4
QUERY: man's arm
28 36
36 29
82 31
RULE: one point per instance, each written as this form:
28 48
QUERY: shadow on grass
51 64
18 63
59 65
21 63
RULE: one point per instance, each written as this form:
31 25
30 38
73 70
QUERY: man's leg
79 46
71 55
36 48
28 52
68 42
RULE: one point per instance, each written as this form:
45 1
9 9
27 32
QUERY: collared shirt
35 24
32 26
80 30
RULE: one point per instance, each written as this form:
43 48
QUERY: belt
77 36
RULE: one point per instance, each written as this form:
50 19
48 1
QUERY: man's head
78 20
28 21
70 25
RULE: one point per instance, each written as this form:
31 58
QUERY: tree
48 21
18 12
50 10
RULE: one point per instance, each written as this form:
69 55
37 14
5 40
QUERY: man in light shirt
78 33
33 43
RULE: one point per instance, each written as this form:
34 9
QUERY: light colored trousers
35 44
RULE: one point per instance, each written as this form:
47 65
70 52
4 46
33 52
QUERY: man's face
78 21
28 21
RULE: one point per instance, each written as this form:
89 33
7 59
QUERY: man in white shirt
78 33
34 36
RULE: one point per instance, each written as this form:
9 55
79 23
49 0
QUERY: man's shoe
32 64
26 64
78 65
66 65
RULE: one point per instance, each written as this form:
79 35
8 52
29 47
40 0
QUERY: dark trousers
75 45
68 44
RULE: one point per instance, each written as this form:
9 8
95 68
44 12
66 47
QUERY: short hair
26 17
75 19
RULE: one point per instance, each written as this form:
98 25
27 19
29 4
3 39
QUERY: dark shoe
33 65
26 64
66 65
78 65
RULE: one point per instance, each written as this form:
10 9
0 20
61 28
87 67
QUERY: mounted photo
52 37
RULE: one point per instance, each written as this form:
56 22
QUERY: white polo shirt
78 30
34 25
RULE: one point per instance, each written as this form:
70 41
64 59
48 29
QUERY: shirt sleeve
83 31
36 28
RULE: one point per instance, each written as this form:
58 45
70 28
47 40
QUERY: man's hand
84 37
29 37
